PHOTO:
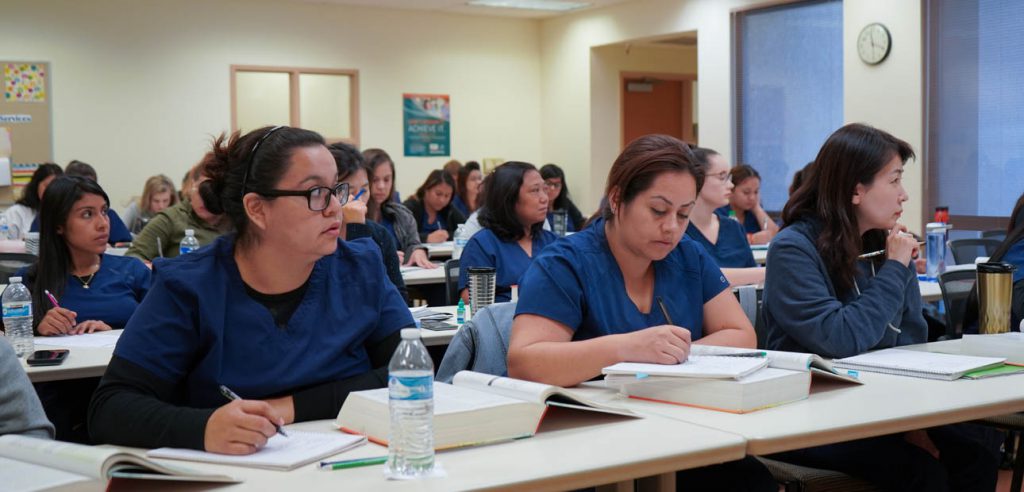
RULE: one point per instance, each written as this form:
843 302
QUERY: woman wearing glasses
281 312
513 215
724 239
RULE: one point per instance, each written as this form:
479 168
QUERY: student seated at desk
157 195
819 297
352 171
513 215
433 210
161 238
385 209
631 288
724 239
96 291
745 205
22 214
283 313
119 234
467 189
558 198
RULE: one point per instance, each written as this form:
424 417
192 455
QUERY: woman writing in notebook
282 312
822 296
631 288
724 239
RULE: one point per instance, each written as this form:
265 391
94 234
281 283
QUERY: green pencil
338 465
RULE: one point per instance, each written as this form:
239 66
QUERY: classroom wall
888 96
139 86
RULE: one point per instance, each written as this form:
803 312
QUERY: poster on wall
24 82
426 125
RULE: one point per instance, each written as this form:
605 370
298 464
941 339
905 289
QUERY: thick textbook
475 409
28 463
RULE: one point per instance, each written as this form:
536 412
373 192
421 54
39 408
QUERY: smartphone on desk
437 325
53 357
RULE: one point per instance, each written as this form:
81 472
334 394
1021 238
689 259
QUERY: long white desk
423 276
440 250
572 450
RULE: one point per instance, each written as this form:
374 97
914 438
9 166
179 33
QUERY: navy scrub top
199 328
749 219
1015 256
578 283
486 250
113 294
732 249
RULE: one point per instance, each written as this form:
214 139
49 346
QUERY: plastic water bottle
189 243
935 249
460 241
17 311
5 229
411 403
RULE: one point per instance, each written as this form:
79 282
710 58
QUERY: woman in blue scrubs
724 239
282 312
432 207
513 215
595 298
745 205
96 291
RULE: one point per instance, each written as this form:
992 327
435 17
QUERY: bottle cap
14 280
410 333
190 232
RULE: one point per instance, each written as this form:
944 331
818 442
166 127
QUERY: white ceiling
460 7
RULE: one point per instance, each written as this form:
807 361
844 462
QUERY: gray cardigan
405 227
803 313
20 410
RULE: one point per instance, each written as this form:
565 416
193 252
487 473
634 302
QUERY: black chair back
10 263
966 250
956 288
451 282
997 234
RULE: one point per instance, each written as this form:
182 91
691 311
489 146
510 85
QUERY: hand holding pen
242 426
664 344
58 320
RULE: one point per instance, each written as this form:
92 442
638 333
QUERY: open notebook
917 364
280 453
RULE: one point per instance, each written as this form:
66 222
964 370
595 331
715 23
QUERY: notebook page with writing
918 364
697 366
280 453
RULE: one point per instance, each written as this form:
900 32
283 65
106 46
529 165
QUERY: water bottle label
186 249
17 309
411 387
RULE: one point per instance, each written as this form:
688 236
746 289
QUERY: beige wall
139 86
888 96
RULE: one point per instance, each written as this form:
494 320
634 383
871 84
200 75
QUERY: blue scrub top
1015 256
113 294
428 227
118 232
199 328
390 226
750 224
569 226
460 205
578 283
486 250
732 249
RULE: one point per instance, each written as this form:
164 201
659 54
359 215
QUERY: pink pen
52 299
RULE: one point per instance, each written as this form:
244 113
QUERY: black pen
232 396
664 311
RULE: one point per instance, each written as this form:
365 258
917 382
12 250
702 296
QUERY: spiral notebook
917 364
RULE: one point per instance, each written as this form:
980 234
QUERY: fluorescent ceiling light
550 5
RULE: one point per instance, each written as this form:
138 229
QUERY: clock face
874 43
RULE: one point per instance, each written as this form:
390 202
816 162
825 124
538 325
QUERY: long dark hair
501 189
252 162
30 197
51 271
435 178
374 158
642 161
852 155
562 201
461 190
348 159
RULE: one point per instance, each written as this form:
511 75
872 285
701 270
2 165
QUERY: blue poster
426 125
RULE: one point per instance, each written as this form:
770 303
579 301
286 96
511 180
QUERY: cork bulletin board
26 126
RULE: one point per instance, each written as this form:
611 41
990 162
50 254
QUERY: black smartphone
437 325
48 357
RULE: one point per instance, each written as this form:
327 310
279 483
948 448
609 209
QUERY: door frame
687 96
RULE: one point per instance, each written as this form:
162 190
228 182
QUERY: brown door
650 105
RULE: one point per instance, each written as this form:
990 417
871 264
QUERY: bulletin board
26 123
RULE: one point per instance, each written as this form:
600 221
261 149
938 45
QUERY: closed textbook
28 463
475 409
765 388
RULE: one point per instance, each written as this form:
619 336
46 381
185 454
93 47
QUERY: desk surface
565 454
422 276
836 412
440 250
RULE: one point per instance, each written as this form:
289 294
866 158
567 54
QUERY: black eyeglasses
318 198
252 157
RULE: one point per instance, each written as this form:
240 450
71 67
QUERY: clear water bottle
459 241
17 311
5 229
411 403
935 249
189 243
